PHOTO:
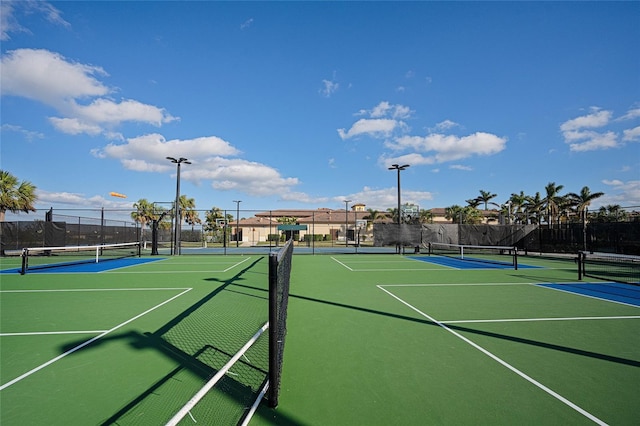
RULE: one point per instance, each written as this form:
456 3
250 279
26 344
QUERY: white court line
88 342
237 264
44 333
454 284
576 293
341 263
540 319
500 361
53 290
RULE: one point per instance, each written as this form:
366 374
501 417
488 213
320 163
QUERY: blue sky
306 104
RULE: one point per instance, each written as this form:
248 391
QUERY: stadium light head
399 167
178 161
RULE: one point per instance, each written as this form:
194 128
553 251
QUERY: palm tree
426 216
474 202
581 202
15 197
471 215
552 201
187 206
372 217
485 197
518 201
145 213
454 213
533 206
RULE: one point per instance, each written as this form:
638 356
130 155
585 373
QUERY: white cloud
625 194
148 154
596 119
379 127
384 119
630 115
450 147
29 135
631 135
74 126
445 125
591 141
10 9
461 167
155 148
381 199
246 24
579 132
49 78
330 87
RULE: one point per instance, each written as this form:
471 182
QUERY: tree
485 197
611 213
426 216
581 202
454 213
552 201
517 203
187 212
145 213
533 206
15 197
474 202
372 217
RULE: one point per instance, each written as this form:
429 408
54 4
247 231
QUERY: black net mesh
613 267
279 280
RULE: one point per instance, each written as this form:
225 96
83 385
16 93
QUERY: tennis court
372 340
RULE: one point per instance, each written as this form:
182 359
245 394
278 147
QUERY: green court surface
372 340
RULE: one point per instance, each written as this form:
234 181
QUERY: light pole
237 222
179 161
398 168
346 222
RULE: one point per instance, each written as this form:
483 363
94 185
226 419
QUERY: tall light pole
398 168
237 222
179 161
346 222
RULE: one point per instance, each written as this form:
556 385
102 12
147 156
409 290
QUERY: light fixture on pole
176 237
346 222
398 168
237 222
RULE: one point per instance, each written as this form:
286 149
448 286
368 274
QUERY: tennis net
52 257
279 279
498 255
609 266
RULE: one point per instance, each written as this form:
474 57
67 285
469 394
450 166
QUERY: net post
273 336
25 261
580 265
515 258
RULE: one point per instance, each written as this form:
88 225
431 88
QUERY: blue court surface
615 292
469 262
106 265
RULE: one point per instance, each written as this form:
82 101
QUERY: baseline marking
541 319
88 342
500 361
43 333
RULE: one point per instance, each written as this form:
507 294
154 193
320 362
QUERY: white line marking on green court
540 319
341 263
499 360
53 290
44 333
88 342
237 264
